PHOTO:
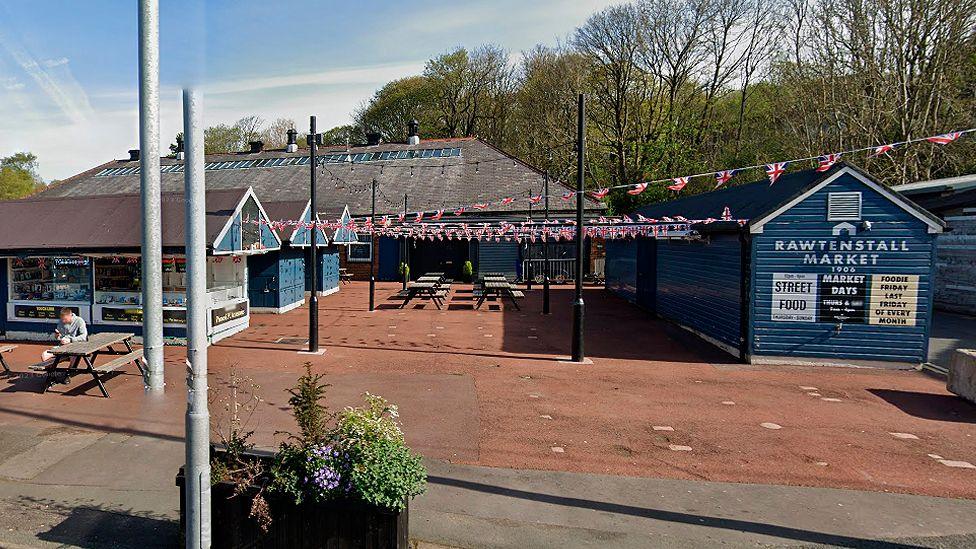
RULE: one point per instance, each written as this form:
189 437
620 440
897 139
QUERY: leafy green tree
221 139
18 176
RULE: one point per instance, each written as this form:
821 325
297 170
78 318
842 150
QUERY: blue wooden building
278 281
827 268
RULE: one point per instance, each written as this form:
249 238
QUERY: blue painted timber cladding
328 270
913 254
276 279
389 259
621 268
698 286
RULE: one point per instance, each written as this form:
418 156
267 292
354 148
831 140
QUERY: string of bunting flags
524 231
773 170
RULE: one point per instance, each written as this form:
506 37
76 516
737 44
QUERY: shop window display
60 279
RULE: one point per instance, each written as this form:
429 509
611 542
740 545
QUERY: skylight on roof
328 158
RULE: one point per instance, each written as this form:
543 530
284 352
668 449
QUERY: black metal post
529 272
313 301
404 260
372 253
545 252
578 355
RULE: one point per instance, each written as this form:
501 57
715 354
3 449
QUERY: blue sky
68 72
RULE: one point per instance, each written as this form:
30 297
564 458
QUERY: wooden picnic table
80 357
424 290
501 289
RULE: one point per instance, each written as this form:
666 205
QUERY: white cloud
376 74
51 63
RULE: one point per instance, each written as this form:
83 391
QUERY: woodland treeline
678 87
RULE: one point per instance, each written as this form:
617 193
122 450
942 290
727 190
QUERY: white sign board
894 300
794 297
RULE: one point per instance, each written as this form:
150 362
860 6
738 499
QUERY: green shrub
386 473
405 270
467 271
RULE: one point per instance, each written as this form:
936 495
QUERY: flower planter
335 524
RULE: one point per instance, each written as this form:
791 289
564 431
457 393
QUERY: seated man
70 328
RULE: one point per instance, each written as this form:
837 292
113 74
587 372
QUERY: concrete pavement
950 331
66 487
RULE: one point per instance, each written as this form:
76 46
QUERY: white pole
197 471
152 238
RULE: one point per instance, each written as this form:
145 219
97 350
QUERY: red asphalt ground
486 387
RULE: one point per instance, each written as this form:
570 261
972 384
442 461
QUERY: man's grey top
76 330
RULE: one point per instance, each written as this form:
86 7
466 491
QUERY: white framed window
844 206
361 251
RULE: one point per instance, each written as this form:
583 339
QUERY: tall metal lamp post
313 301
578 355
372 253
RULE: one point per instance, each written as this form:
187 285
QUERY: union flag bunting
945 138
600 194
480 206
507 200
437 215
775 170
459 211
419 218
535 199
401 217
638 188
723 177
883 149
567 195
726 214
827 161
679 183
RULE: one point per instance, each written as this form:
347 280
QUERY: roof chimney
133 154
413 132
179 147
256 146
373 138
292 141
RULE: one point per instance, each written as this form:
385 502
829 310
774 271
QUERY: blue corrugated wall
621 268
698 286
808 221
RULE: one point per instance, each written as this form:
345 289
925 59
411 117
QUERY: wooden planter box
337 524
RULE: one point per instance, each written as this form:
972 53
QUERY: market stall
100 276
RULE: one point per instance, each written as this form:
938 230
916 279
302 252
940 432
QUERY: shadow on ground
93 527
929 405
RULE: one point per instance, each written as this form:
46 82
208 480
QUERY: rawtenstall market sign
840 293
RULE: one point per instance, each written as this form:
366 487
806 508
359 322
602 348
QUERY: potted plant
467 271
405 271
342 480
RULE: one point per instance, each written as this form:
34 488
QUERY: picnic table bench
423 290
5 349
81 356
501 289
345 277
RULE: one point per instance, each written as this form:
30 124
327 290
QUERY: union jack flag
600 194
775 170
459 211
723 177
437 215
401 217
535 199
726 214
679 183
507 200
567 195
627 219
827 161
480 206
419 218
883 149
945 138
638 188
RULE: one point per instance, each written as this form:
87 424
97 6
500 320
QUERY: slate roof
103 222
752 201
480 173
